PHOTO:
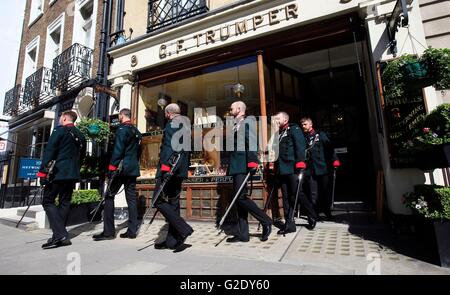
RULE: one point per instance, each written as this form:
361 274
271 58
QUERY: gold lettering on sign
291 11
273 17
163 51
210 36
198 39
180 46
257 20
241 27
224 35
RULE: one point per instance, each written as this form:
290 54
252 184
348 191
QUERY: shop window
205 98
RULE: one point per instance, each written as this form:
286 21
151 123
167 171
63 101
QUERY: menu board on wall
403 117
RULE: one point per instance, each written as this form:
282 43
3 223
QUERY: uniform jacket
174 126
243 154
291 149
127 148
319 153
66 145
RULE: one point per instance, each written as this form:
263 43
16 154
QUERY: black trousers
57 215
129 182
318 189
245 206
170 209
289 184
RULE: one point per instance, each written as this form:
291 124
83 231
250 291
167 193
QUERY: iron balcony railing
162 13
12 100
37 90
70 68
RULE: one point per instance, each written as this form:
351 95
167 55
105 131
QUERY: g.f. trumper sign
229 31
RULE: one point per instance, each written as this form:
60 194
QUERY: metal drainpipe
120 13
101 105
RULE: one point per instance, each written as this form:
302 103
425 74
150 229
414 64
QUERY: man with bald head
244 159
179 230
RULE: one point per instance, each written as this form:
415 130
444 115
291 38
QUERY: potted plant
432 202
438 61
82 204
433 139
94 129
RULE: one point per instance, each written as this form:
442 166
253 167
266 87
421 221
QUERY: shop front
309 62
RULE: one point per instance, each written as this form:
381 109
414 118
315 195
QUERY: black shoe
267 229
279 224
103 237
161 246
236 239
311 223
127 235
55 243
286 231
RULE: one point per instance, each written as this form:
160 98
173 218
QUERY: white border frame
35 43
32 21
59 22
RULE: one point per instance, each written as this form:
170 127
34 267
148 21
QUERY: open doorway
327 85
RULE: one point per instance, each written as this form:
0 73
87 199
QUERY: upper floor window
31 58
53 45
36 10
165 12
84 23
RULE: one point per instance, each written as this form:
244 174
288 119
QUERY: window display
204 97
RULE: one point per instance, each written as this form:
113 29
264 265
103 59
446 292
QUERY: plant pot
82 213
442 231
437 156
417 74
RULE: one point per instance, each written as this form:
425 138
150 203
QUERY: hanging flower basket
94 129
417 74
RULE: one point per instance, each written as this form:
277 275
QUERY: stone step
27 223
31 213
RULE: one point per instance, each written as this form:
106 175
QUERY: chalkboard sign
403 117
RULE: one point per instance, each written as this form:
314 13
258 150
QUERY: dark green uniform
291 148
244 152
126 149
244 156
320 153
177 125
67 146
320 156
179 230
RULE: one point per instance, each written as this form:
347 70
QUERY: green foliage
438 60
430 201
94 129
85 196
393 78
435 128
91 167
409 72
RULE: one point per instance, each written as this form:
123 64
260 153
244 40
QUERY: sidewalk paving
332 248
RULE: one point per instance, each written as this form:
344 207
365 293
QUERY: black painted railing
162 13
